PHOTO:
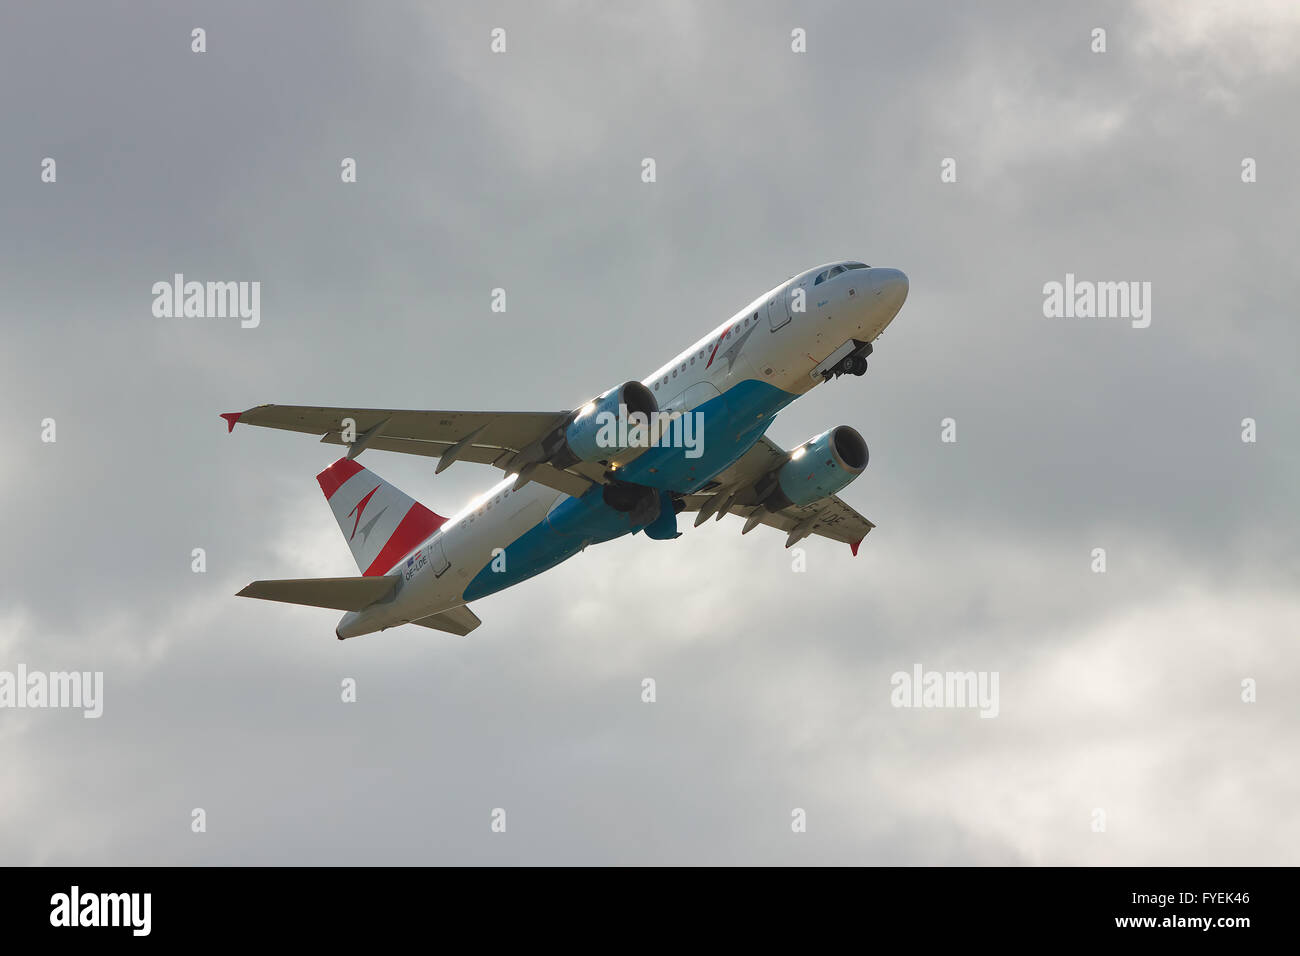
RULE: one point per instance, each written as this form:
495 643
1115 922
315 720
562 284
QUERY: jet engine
606 426
818 468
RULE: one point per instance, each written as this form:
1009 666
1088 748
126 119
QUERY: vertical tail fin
381 524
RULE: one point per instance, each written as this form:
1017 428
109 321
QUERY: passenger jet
687 438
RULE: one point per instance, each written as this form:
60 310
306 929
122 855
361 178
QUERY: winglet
231 418
854 545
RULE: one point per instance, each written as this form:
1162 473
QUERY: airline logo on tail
359 510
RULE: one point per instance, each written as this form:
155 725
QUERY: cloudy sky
1119 692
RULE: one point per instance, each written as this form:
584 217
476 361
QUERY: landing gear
639 503
855 363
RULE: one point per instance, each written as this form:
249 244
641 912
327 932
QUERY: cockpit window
836 270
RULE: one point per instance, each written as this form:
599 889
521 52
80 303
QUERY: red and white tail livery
382 524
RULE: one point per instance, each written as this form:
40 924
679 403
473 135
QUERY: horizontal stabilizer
459 620
342 594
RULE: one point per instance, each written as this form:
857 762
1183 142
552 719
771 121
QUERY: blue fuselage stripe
730 425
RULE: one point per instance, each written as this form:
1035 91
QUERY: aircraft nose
891 286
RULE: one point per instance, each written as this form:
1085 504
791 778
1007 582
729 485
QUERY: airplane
627 461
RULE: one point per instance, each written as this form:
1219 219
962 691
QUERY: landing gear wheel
854 365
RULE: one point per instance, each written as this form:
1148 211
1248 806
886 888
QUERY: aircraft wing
502 439
829 517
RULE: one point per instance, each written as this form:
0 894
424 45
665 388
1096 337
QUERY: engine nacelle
602 430
819 467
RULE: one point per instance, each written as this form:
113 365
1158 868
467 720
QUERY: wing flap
827 517
482 454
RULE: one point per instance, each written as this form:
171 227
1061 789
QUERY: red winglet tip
231 419
854 546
